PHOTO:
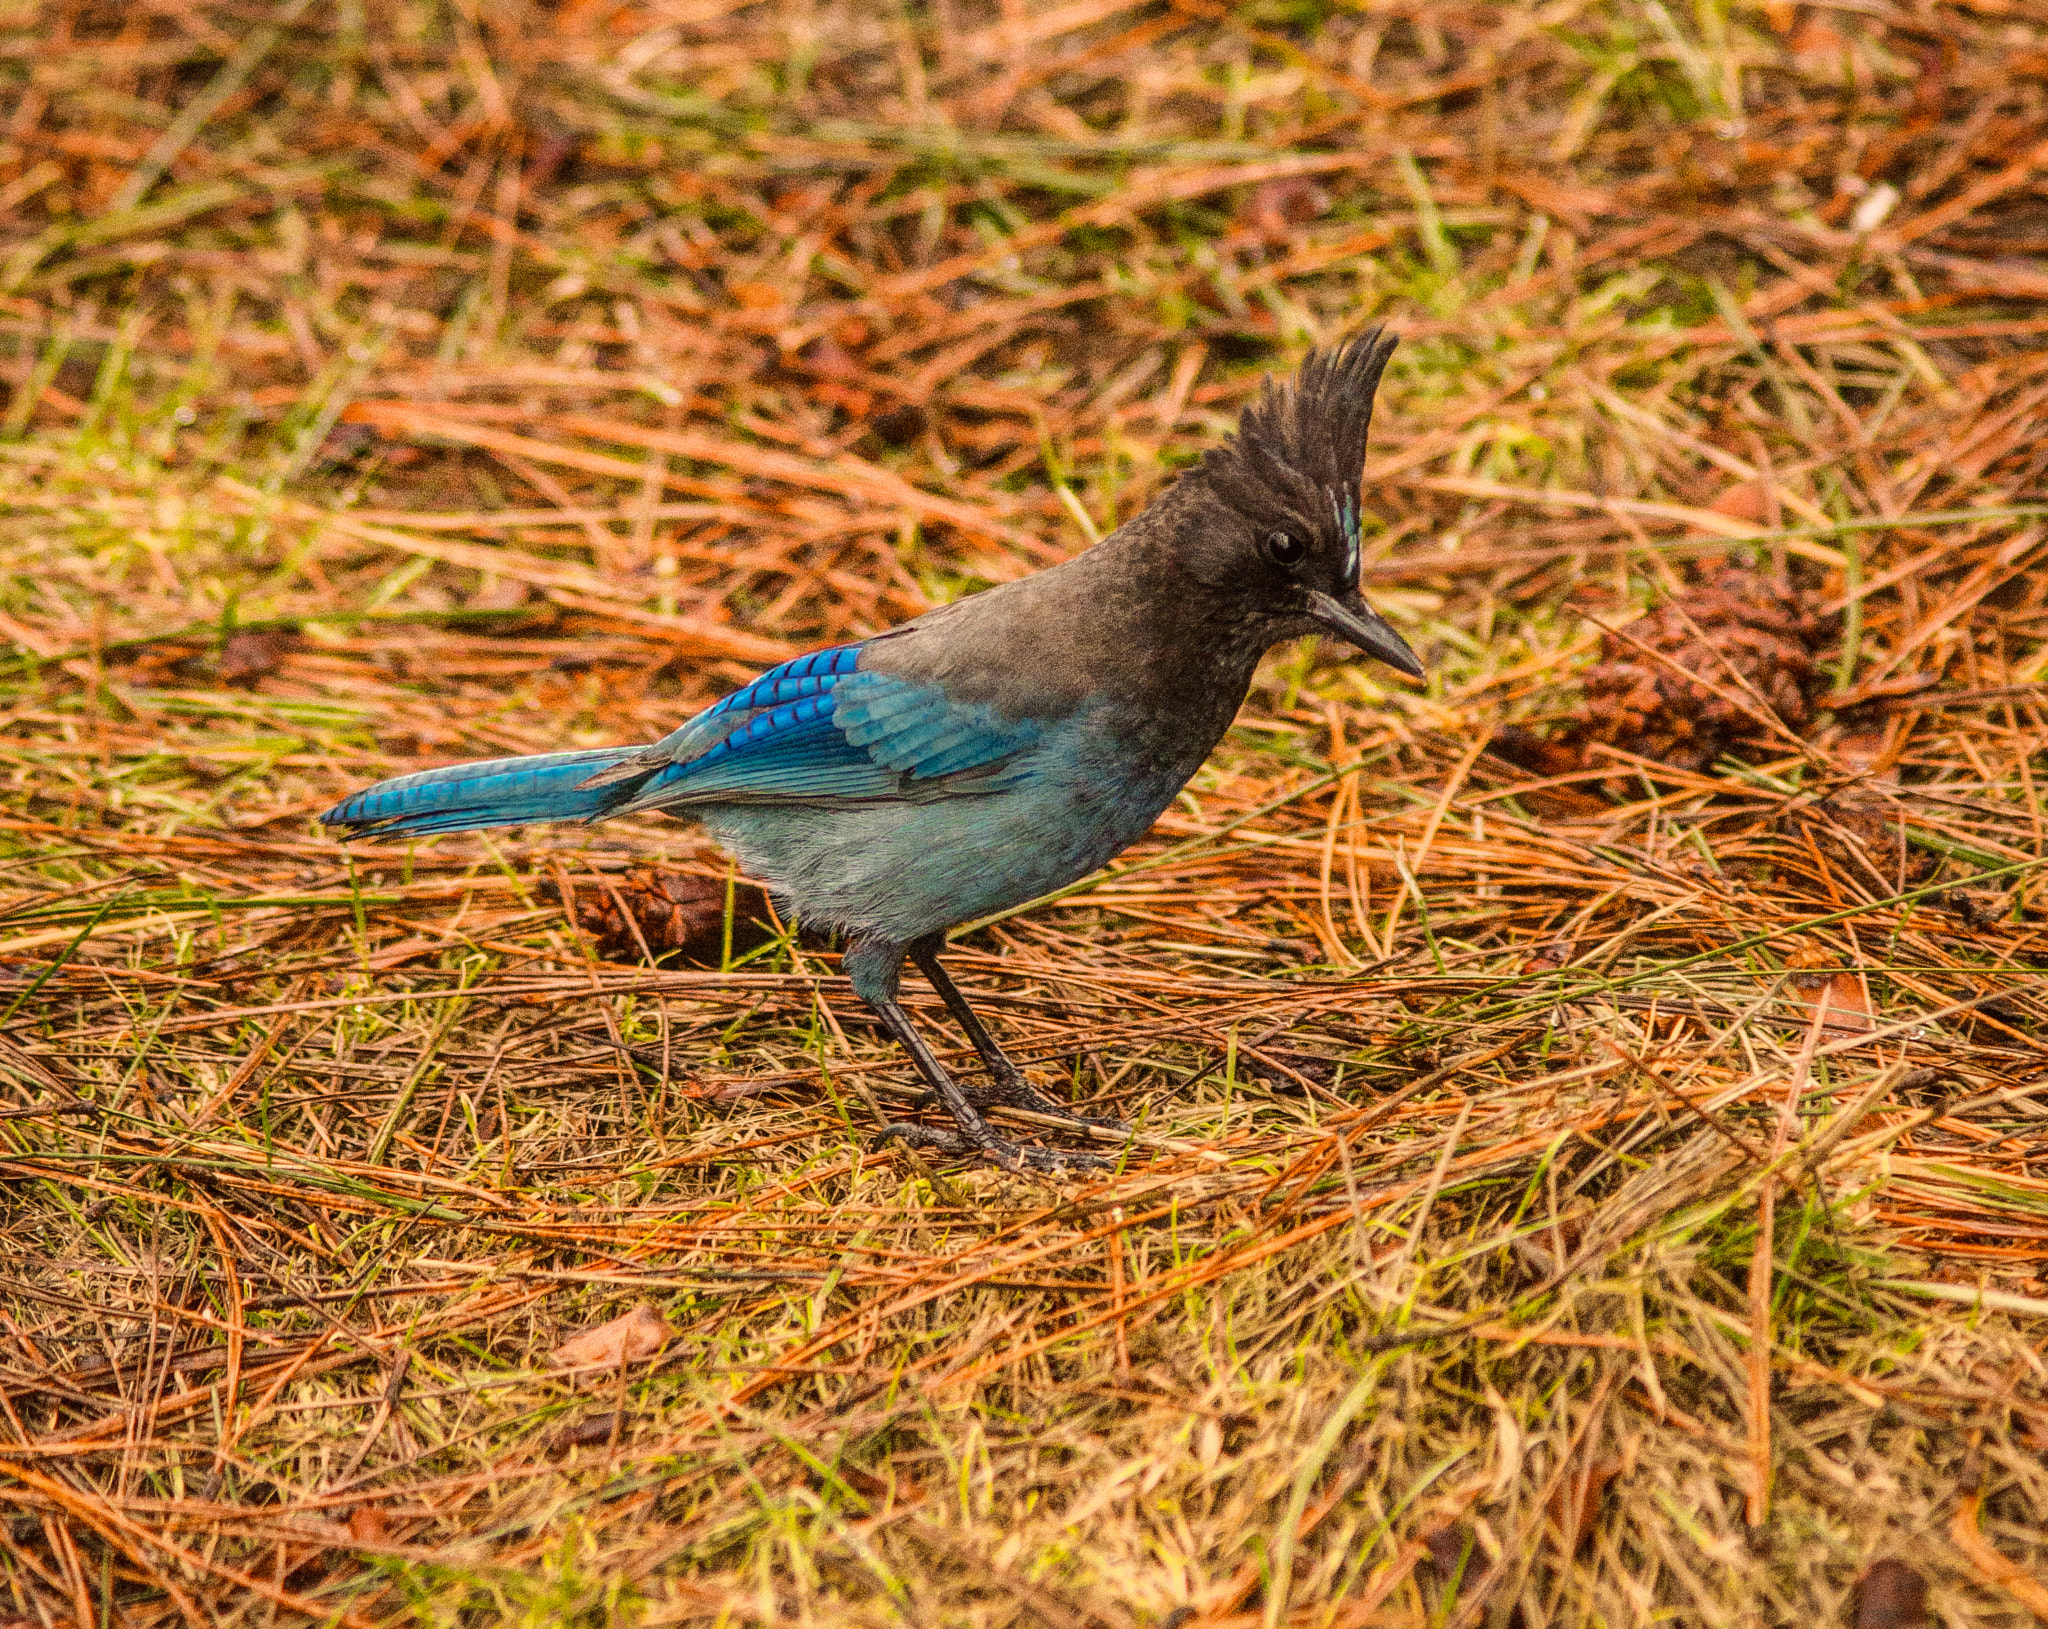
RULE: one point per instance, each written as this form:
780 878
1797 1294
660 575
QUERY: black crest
1300 447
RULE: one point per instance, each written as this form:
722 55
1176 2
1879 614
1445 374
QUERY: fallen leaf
1822 981
1889 1595
248 657
1845 1006
1576 1503
1746 501
366 1525
588 1433
636 1334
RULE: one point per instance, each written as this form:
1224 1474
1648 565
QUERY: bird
998 747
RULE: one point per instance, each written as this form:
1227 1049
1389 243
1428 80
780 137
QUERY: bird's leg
875 968
975 1136
1008 1087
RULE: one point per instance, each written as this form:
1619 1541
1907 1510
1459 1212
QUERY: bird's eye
1285 549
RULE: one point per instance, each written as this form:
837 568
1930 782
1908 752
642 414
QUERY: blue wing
819 728
813 730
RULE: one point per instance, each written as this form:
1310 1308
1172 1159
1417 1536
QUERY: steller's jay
999 747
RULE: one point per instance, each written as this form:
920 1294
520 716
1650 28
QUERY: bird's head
1277 537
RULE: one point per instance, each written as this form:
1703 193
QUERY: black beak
1351 619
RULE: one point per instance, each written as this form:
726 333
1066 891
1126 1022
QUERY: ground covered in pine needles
1590 1157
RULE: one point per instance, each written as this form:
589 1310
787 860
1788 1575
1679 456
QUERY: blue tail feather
471 797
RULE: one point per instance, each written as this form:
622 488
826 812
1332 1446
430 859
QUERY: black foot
1007 1088
997 1151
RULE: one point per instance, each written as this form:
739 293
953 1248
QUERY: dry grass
1623 1175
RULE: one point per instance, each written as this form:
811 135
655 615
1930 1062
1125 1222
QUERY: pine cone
1646 696
680 916
1737 622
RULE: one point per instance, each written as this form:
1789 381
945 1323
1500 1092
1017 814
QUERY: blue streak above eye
1344 506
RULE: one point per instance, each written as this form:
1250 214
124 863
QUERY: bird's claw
912 1135
1048 1161
997 1150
